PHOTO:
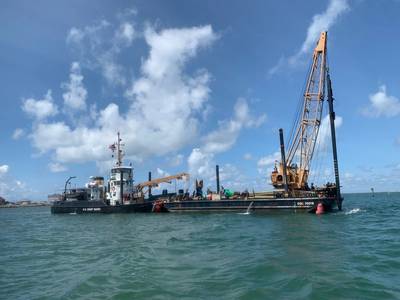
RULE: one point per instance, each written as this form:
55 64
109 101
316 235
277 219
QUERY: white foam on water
247 210
353 211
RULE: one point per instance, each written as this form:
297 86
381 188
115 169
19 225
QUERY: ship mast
120 155
118 147
302 144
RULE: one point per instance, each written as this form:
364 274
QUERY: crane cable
298 112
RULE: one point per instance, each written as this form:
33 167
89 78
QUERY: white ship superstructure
121 189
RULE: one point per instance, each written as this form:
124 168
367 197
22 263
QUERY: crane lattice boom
302 145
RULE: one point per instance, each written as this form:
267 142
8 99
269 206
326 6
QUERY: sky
191 84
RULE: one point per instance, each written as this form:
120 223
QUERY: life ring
113 188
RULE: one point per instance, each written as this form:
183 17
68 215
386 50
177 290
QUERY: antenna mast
118 147
119 151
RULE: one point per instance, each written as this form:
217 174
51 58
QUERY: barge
290 176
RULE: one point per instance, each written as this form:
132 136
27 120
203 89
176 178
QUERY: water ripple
283 255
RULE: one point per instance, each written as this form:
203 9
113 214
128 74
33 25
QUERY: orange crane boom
156 182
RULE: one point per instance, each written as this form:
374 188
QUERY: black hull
84 207
306 204
302 204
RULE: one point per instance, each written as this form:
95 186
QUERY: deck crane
156 182
293 174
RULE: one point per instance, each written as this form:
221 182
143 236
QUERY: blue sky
190 84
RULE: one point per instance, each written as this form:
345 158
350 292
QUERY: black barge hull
306 204
238 205
83 207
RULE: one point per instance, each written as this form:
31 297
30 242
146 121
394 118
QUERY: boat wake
353 211
248 210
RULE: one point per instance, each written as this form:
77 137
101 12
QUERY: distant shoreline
27 205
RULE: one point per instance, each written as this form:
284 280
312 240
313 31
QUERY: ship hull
306 204
302 204
89 207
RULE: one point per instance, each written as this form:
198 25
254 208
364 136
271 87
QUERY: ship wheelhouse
121 185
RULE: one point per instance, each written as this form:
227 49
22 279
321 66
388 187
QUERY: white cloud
201 161
165 106
231 178
266 163
10 188
98 46
18 133
348 175
76 35
201 164
382 104
383 178
247 156
20 184
320 22
171 49
40 109
226 135
176 160
57 167
13 190
112 72
162 173
76 94
324 133
47 136
282 62
126 33
127 13
4 169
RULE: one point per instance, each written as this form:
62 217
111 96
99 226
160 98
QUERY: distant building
24 202
54 197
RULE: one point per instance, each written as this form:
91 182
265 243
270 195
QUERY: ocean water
353 254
